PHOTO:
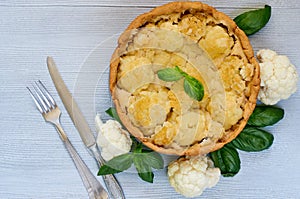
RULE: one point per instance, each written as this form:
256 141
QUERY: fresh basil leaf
105 169
153 159
252 140
117 164
228 160
169 74
184 74
143 169
112 112
252 21
147 176
265 116
193 88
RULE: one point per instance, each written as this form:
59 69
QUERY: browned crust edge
254 85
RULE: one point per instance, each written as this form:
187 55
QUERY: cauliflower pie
206 45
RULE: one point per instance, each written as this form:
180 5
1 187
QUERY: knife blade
82 127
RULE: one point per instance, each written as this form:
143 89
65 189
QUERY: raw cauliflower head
112 139
190 176
278 77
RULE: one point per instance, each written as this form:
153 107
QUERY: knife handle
113 187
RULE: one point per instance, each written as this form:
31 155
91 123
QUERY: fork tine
35 101
47 94
40 100
45 99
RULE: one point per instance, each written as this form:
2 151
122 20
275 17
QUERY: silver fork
51 113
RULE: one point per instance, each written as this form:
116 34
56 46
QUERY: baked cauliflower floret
136 78
233 112
190 176
164 135
112 139
233 80
192 26
278 77
217 42
149 108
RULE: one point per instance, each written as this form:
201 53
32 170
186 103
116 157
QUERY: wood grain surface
33 161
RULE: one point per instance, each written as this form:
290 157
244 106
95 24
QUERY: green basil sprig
252 21
192 86
265 116
143 161
252 140
142 158
228 160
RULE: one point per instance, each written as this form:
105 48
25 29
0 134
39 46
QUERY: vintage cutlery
51 113
112 185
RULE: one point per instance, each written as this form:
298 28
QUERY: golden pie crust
223 42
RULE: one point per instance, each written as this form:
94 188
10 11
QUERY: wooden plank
153 3
33 161
62 33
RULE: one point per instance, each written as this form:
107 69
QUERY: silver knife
112 185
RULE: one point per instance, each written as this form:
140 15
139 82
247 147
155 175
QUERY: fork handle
94 188
113 186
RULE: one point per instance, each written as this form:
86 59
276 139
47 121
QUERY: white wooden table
33 161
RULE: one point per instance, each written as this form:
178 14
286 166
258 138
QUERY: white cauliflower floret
278 77
112 139
190 176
